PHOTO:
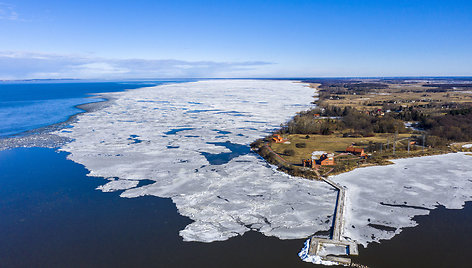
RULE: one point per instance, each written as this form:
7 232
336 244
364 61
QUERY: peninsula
365 122
358 123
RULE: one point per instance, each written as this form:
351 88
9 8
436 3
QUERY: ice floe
192 140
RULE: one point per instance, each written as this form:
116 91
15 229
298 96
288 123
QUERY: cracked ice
166 133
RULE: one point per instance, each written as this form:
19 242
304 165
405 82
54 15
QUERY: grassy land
328 143
375 101
275 154
405 94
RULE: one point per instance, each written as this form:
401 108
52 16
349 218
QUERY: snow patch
316 154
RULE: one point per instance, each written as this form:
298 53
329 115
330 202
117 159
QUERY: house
379 112
326 160
356 151
376 112
307 163
278 139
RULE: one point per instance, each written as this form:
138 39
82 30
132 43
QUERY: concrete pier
330 249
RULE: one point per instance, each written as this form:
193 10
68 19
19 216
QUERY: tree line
341 119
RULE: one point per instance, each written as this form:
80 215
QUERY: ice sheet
382 200
167 133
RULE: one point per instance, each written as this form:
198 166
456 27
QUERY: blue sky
152 39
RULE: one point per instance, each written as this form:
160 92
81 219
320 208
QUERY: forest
330 119
455 126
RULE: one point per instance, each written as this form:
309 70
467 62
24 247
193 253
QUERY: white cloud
7 12
30 65
100 68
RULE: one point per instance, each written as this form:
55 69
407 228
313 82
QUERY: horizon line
228 78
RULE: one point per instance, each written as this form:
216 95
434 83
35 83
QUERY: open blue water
29 105
52 216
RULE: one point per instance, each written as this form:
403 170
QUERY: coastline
44 137
263 148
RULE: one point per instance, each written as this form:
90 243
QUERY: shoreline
262 147
44 137
272 157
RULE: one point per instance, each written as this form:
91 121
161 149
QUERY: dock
331 249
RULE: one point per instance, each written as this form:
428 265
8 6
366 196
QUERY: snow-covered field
192 141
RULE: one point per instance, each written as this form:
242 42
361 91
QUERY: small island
365 122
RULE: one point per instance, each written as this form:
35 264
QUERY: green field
331 144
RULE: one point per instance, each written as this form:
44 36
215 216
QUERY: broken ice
192 140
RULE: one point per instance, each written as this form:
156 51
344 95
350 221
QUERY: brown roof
354 150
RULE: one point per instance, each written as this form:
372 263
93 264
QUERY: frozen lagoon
382 200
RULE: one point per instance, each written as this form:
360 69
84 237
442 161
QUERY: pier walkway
328 249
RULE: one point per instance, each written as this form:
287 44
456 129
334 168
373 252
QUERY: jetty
335 248
331 249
